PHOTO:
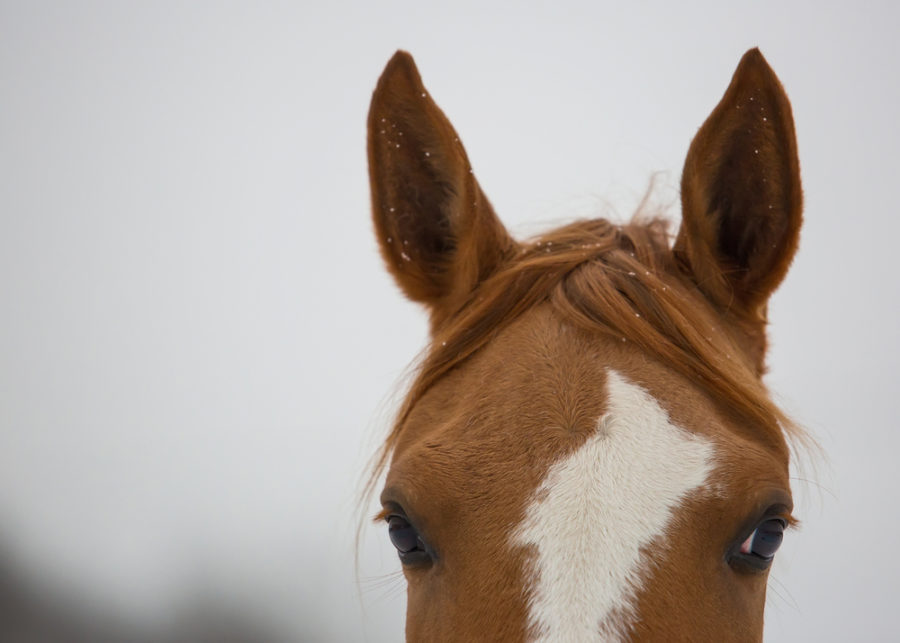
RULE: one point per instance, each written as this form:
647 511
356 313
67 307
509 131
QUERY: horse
587 451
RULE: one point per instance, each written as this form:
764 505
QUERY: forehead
537 391
535 394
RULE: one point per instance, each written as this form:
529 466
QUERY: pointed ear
438 234
740 193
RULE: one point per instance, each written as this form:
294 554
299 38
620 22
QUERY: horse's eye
411 549
403 535
765 539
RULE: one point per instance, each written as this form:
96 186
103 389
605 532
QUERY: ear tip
400 69
399 80
753 54
401 57
402 62
753 57
753 63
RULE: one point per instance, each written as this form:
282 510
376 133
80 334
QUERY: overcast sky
200 348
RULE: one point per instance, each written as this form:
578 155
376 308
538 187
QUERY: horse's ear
741 195
438 234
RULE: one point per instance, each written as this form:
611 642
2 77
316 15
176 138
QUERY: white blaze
597 508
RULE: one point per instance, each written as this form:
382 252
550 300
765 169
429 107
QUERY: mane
622 281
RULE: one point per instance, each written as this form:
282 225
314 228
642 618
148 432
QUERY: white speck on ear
597 508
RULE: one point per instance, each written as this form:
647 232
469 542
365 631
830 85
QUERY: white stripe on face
597 508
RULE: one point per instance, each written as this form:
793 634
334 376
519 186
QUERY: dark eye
765 540
402 534
406 539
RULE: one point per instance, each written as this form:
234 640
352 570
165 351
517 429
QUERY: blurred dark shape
33 612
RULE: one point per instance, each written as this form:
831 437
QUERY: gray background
198 340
